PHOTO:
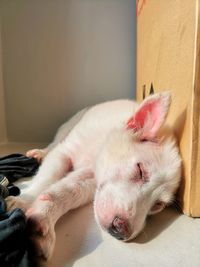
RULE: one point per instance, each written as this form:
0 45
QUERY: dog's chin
135 234
131 237
127 239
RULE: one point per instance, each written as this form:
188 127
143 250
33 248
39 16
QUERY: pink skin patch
44 197
69 162
107 212
29 212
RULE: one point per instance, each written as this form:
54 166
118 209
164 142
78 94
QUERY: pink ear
150 115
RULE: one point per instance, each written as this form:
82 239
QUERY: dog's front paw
42 234
38 154
16 202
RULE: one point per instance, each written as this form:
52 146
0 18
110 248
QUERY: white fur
95 152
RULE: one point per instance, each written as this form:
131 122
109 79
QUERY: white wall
62 55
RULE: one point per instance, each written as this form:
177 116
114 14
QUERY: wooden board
168 56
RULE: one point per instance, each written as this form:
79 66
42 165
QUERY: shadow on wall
61 56
179 126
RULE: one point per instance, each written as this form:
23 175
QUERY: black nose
119 228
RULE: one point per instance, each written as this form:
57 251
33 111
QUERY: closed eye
140 170
141 175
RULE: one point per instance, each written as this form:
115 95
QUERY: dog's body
117 149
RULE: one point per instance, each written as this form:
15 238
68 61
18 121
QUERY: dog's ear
158 206
150 115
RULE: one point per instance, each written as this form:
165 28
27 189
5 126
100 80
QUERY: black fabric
13 238
15 166
4 191
7 188
13 190
14 245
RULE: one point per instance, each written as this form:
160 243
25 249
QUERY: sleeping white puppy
117 153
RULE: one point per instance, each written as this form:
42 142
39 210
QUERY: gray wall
62 55
2 103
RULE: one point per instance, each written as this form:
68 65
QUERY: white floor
170 239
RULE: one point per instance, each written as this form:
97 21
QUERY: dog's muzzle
119 228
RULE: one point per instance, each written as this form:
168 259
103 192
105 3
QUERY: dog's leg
55 166
76 189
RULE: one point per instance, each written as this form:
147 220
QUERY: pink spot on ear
150 108
148 119
131 124
44 197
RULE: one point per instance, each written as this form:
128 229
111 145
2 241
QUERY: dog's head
138 170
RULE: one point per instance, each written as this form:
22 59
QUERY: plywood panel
166 55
